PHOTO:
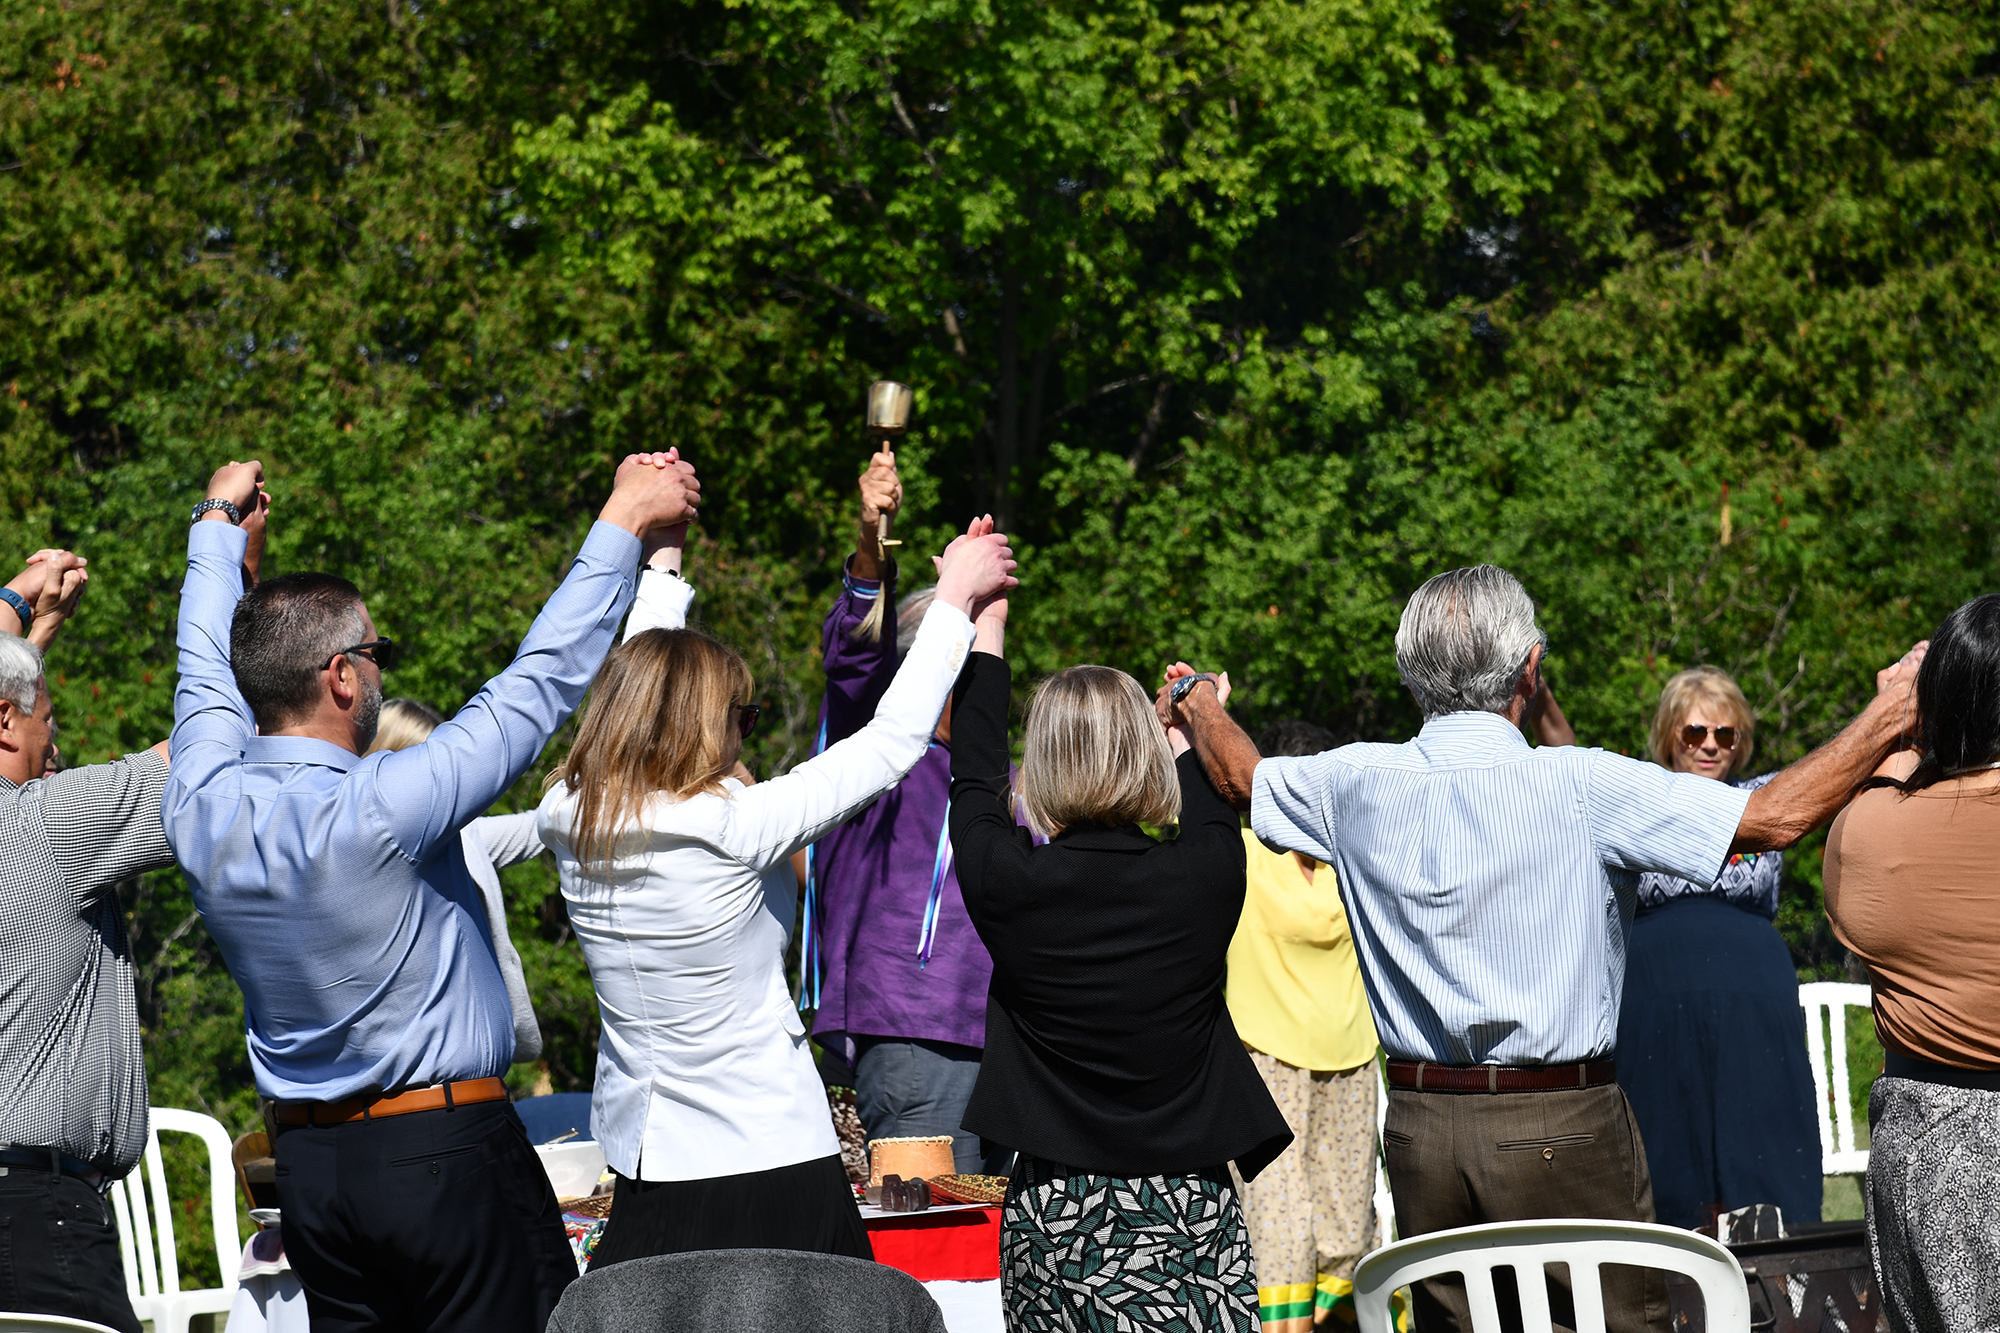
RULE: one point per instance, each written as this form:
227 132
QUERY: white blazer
703 1068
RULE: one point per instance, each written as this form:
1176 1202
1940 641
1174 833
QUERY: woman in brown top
1913 888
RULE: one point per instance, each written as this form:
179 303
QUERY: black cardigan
1108 1047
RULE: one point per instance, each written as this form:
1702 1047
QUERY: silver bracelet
235 514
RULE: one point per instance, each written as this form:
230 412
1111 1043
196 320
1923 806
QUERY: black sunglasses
382 652
1692 736
747 715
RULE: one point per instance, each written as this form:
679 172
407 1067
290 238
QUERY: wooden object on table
256 1169
970 1189
912 1159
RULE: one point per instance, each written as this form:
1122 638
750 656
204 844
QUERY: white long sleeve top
703 1068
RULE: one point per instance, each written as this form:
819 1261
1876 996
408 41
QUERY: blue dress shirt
336 885
1491 885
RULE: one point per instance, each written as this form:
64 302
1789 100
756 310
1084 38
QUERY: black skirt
808 1206
1712 1056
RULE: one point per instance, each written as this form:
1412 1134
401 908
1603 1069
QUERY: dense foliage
1245 316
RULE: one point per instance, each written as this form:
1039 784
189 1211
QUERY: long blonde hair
1097 754
1702 685
659 720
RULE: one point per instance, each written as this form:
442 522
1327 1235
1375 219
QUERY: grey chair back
754 1291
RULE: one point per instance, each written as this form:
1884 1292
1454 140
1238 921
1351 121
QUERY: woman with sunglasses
1711 1039
708 1105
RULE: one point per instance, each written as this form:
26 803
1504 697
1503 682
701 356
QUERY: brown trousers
1459 1159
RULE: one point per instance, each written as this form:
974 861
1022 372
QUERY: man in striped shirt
1491 888
72 1075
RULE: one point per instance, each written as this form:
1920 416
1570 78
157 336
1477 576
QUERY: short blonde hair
404 723
1702 685
1097 754
660 719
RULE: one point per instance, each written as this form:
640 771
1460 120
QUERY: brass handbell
888 417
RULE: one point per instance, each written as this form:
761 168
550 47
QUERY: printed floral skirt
1092 1254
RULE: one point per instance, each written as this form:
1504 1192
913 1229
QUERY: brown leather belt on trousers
442 1097
1419 1076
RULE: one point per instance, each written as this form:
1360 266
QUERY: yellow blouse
1294 987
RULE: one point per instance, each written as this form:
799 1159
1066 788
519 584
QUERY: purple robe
872 876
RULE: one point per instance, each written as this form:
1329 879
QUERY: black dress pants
59 1250
437 1220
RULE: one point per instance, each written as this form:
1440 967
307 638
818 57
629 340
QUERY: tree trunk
1007 427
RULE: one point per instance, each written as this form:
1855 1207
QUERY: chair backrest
1526 1247
146 1244
1385 1202
48 1323
754 1291
251 1153
1825 1003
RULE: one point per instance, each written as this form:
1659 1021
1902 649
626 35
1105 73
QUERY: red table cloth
959 1245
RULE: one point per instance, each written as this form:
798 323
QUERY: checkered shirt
71 1073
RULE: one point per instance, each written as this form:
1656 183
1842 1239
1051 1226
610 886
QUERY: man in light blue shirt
337 889
1491 888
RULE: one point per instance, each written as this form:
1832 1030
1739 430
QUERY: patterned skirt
1092 1254
1934 1204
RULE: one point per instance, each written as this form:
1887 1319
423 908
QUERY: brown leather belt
1420 1076
442 1097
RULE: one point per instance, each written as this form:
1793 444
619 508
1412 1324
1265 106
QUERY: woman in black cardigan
1110 1062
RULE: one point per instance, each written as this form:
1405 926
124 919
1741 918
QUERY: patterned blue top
1749 879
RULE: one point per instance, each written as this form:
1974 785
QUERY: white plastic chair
146 1236
1385 1203
48 1323
1527 1246
1825 1003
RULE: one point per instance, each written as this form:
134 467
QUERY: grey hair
20 671
1465 640
910 617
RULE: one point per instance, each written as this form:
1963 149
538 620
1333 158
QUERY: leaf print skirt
1083 1253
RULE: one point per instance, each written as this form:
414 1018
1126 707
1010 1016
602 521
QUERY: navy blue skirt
1712 1056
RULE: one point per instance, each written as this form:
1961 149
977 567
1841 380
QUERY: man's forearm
1226 752
1812 791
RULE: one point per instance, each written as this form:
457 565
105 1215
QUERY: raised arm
771 820
664 593
429 791
1812 791
1546 719
858 644
211 720
1227 754
986 842
44 595
881 493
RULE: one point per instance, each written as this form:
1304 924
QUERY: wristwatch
1186 683
21 608
235 514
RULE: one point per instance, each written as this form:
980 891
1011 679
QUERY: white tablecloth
969 1307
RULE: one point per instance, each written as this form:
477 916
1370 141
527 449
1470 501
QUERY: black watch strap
235 514
1187 683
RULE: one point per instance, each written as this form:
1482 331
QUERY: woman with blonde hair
1110 1060
1711 1039
677 877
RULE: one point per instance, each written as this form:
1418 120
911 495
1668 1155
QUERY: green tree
1246 317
